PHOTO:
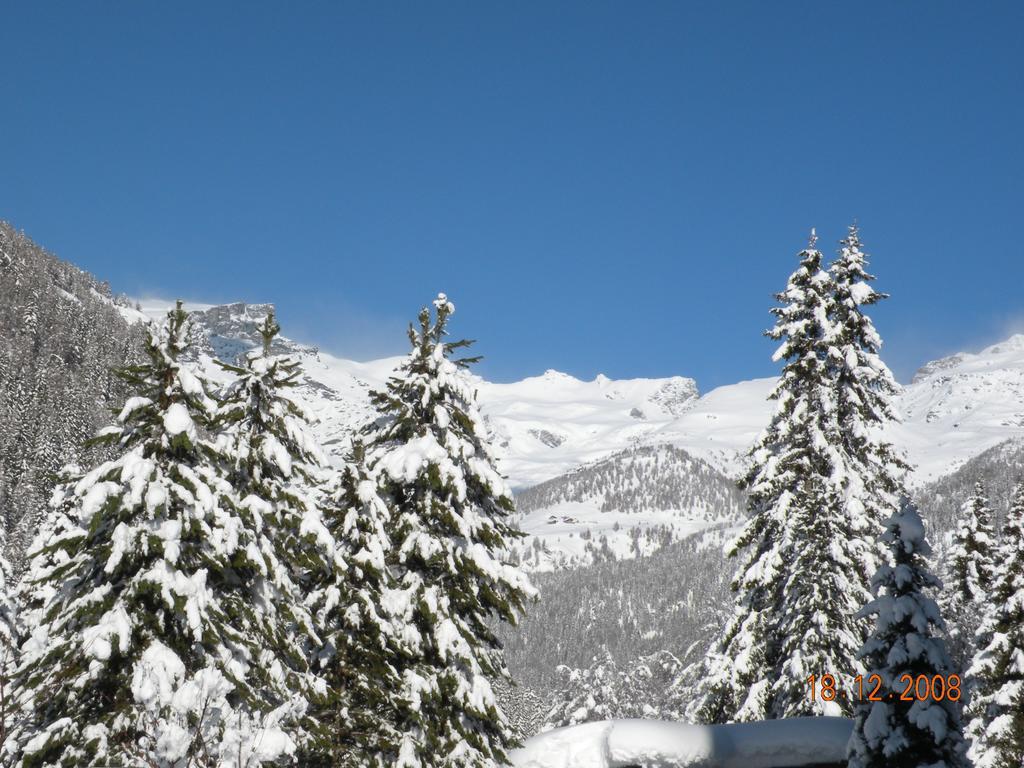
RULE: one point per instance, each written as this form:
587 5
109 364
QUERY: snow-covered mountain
543 426
546 427
957 407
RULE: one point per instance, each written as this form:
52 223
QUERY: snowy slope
625 505
961 405
546 425
798 741
722 424
543 426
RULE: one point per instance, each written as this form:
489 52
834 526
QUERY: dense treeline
670 600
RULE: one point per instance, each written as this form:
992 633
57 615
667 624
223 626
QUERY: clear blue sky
600 187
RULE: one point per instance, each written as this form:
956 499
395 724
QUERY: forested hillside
643 479
622 612
626 505
60 334
999 469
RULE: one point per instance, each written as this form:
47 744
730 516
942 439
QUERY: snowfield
799 741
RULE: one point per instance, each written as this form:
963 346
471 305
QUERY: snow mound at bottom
798 741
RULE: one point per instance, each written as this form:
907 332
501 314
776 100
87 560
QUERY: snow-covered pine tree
147 650
586 695
969 581
864 390
609 691
275 468
972 554
36 588
523 707
360 642
906 641
449 521
803 576
996 710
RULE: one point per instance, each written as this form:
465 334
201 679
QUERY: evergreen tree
894 733
996 709
804 575
450 524
523 706
971 568
609 691
148 650
864 390
586 695
972 556
275 467
360 641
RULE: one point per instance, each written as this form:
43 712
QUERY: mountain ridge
545 425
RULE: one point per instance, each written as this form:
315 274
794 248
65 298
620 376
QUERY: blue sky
600 187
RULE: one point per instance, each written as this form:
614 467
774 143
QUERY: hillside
626 505
1000 468
670 600
61 332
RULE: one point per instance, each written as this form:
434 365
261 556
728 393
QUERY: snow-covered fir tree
585 695
865 388
972 554
609 691
147 647
996 710
450 525
808 547
970 572
359 640
906 640
275 468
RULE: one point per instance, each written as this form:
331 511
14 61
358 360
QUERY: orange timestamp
871 688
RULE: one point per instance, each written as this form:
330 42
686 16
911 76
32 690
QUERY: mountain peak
1010 352
1014 343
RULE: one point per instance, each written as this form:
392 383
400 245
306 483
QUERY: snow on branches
898 732
450 527
147 650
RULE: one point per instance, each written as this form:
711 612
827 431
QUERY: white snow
115 625
155 675
653 744
559 527
177 421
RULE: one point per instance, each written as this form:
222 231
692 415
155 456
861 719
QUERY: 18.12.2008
907 687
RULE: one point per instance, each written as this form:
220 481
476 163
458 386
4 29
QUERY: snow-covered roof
789 743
